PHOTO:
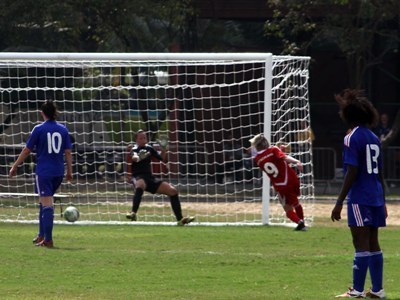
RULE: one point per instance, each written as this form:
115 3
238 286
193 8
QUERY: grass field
194 262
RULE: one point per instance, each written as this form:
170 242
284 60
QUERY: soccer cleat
301 226
37 239
48 244
131 216
185 220
376 295
351 293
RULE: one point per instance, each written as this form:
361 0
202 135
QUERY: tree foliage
91 25
363 31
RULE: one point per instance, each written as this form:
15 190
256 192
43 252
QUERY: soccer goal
204 106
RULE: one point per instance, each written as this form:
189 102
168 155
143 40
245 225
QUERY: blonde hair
259 142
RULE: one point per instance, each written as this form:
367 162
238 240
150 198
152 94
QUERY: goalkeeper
140 175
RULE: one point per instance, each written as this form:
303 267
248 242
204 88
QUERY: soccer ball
71 214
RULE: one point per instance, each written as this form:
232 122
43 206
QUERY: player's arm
349 179
381 179
153 152
286 148
164 152
292 160
22 156
68 159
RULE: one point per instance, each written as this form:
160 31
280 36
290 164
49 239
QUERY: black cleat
131 216
301 226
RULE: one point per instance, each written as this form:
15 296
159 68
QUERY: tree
356 28
91 25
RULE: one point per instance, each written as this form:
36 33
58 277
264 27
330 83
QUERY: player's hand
129 178
386 212
336 212
163 143
299 166
13 171
286 148
68 176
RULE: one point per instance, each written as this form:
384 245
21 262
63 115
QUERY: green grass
168 262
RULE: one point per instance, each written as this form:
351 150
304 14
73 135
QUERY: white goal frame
29 60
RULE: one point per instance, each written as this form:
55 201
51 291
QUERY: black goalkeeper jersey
143 167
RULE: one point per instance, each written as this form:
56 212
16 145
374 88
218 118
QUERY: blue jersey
49 140
362 149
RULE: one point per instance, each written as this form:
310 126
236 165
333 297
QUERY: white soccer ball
71 214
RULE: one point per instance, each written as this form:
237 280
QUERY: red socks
293 216
299 211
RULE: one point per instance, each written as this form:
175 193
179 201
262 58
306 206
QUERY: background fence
327 172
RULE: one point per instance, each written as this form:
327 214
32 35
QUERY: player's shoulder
149 147
38 128
60 125
263 154
360 135
274 148
352 137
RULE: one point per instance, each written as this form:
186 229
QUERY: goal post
204 106
266 185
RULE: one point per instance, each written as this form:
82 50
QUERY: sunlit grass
194 262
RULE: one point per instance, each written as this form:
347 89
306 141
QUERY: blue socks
360 268
376 270
47 221
362 262
41 231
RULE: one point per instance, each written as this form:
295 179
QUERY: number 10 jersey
49 140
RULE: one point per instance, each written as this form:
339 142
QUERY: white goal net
206 107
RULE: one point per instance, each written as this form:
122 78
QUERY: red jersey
282 176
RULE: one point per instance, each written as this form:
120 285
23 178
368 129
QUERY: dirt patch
323 210
320 210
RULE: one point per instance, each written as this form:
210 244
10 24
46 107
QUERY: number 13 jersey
362 149
282 176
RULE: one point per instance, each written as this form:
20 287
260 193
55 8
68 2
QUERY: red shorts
289 195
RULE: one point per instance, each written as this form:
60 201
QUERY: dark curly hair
356 109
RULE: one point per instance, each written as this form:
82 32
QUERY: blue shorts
47 186
364 215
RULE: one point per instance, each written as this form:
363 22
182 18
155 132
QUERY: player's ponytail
49 108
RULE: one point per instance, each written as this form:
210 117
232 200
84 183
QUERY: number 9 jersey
282 176
49 139
362 149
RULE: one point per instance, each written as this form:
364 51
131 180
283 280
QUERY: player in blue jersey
50 140
363 186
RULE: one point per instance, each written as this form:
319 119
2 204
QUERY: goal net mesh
204 110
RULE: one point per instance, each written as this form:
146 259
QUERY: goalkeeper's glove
163 143
143 154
